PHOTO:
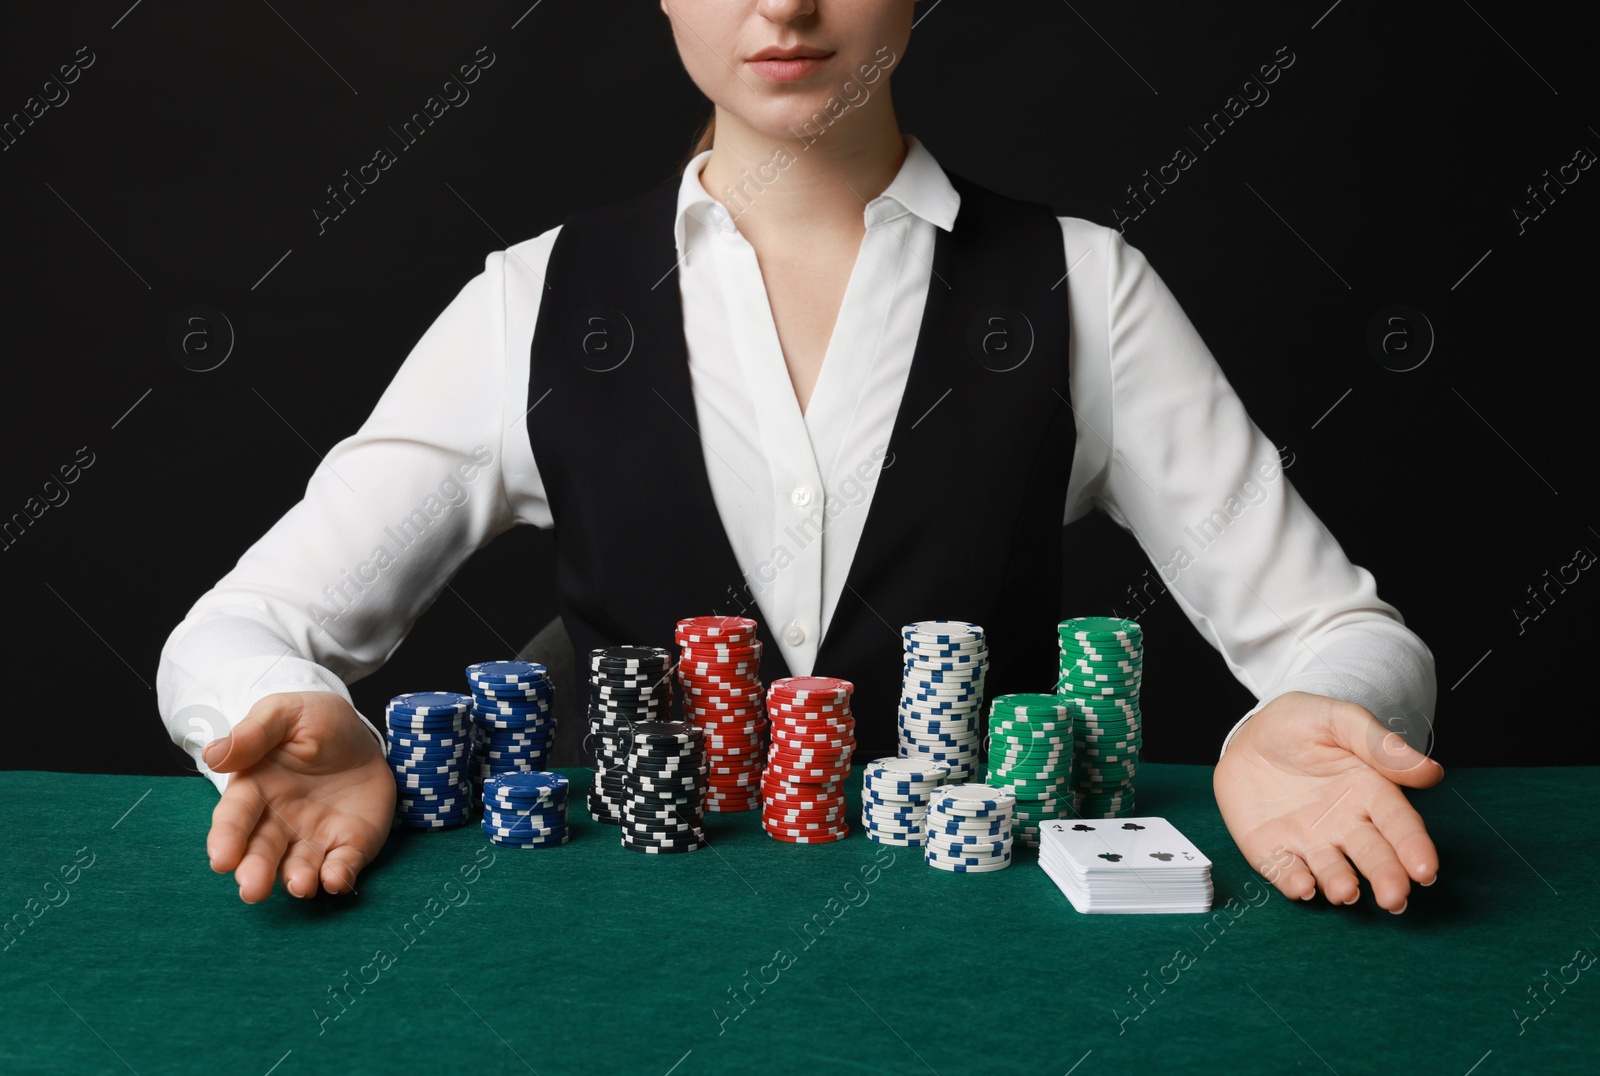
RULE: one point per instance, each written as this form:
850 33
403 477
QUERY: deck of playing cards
1125 865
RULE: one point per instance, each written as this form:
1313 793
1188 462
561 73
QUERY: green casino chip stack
1031 751
1102 662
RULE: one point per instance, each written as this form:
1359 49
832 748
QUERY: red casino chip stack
719 669
813 733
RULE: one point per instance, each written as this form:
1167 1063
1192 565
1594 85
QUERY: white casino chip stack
895 793
941 694
969 829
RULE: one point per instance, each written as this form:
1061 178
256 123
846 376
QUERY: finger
1291 875
1335 877
1402 827
301 867
233 819
1281 867
1376 860
259 868
266 726
1384 749
340 867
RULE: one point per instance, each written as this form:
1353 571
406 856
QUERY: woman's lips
789 70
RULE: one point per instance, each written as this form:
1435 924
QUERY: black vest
966 516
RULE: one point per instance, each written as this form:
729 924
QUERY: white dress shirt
444 464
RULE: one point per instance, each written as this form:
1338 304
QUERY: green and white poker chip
1095 628
1099 679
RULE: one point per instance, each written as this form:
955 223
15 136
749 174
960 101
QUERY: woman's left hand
1310 785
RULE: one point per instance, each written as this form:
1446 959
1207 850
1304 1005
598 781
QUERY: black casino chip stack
627 685
664 788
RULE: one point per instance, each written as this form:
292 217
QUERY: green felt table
851 957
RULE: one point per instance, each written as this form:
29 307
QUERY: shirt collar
920 187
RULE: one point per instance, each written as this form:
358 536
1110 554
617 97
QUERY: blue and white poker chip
526 833
513 704
403 738
970 828
900 771
941 693
427 751
513 718
430 703
529 786
413 727
453 814
942 631
968 868
513 842
907 830
508 672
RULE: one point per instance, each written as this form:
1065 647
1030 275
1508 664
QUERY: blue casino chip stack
513 718
429 739
526 809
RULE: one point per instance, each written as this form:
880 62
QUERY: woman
822 379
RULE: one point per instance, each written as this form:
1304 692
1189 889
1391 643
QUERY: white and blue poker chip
430 704
941 632
529 787
508 672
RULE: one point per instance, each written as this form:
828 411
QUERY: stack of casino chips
627 685
719 669
941 694
813 733
1102 661
664 780
526 809
894 799
429 737
513 718
1030 752
969 829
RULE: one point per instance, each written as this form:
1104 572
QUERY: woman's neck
818 183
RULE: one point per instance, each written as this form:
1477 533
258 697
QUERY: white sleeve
441 466
1178 462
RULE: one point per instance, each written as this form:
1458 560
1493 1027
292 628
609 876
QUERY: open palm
310 798
1310 785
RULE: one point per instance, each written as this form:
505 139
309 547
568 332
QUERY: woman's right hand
310 799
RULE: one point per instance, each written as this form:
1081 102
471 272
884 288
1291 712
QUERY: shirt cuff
1237 725
1412 725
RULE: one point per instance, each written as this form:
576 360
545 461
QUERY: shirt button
795 634
801 497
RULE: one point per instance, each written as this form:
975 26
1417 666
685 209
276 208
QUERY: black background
189 157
